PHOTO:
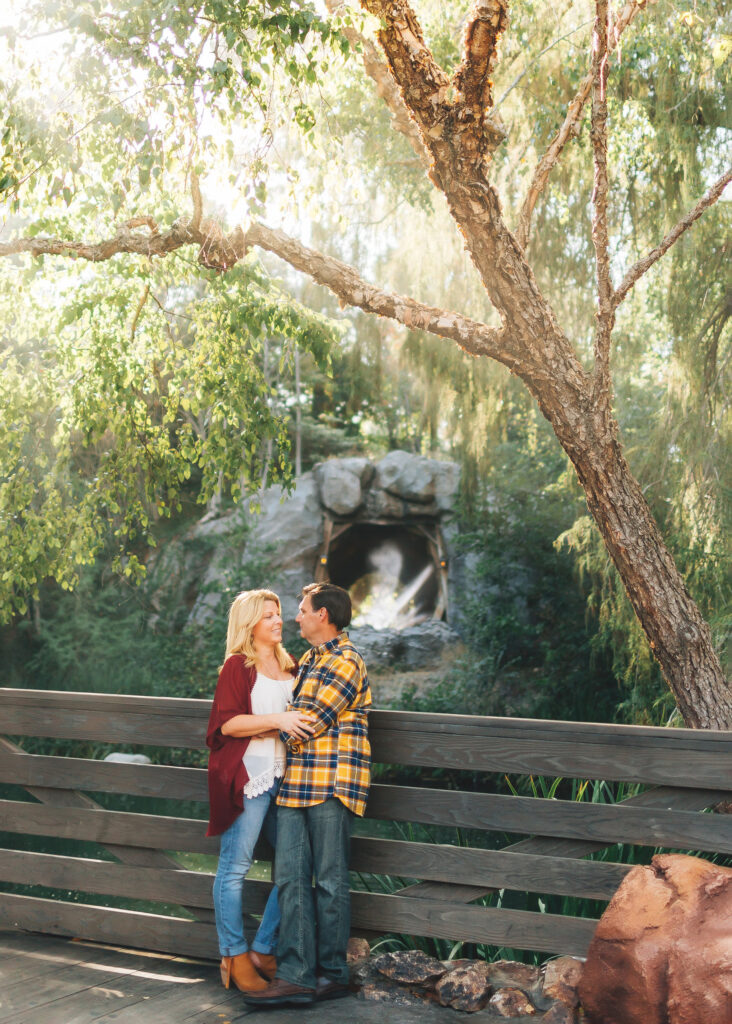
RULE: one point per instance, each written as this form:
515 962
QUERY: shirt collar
331 645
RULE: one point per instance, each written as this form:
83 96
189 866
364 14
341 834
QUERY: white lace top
265 760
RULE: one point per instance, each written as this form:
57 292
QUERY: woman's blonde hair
246 610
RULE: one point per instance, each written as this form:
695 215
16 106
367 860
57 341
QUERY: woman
246 764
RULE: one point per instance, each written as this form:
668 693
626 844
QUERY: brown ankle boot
244 974
265 963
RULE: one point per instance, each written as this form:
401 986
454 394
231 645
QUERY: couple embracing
290 759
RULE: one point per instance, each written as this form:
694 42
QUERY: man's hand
297 724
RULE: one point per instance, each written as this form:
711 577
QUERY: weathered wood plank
546 846
484 752
10 752
108 924
189 888
487 868
405 721
519 929
125 727
436 863
69 977
123 828
610 823
586 750
147 780
541 729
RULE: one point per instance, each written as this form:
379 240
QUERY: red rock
466 988
511 1002
662 951
561 978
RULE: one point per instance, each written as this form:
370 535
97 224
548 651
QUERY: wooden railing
685 772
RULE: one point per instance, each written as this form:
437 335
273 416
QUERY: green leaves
122 400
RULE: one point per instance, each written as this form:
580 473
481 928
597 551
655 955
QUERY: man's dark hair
335 600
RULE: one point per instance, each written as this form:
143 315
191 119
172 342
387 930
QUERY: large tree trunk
577 404
454 119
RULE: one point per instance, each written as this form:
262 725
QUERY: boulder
289 527
561 978
662 951
422 645
406 475
411 967
340 484
511 1002
510 974
419 646
466 988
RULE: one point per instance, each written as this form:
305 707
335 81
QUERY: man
325 786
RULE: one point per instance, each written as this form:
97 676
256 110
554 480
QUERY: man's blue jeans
313 843
235 859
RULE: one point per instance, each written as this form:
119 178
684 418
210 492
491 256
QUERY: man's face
309 620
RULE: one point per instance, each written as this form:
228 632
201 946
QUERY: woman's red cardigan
227 775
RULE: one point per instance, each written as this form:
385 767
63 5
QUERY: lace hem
264 782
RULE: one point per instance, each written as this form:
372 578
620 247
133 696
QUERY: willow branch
639 268
473 337
600 240
379 73
569 128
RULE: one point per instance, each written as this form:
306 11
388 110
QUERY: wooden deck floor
47 980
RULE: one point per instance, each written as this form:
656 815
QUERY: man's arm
336 693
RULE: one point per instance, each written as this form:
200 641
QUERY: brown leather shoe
240 970
265 963
327 989
280 993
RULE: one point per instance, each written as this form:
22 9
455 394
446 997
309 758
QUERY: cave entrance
396 573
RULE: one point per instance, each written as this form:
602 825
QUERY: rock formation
662 952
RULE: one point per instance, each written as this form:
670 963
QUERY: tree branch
569 127
378 71
220 252
639 268
488 21
475 338
598 134
410 59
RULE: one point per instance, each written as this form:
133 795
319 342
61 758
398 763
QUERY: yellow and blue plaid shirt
333 687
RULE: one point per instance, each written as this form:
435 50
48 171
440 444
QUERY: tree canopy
171 135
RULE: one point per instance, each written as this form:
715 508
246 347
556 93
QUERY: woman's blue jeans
235 859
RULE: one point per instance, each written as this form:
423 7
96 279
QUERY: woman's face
268 631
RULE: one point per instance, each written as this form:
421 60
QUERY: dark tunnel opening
389 571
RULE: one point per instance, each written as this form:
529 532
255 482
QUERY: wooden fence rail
681 773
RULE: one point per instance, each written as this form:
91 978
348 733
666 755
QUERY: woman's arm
295 723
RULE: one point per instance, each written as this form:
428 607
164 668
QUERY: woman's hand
296 723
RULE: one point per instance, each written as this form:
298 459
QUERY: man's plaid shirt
336 761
